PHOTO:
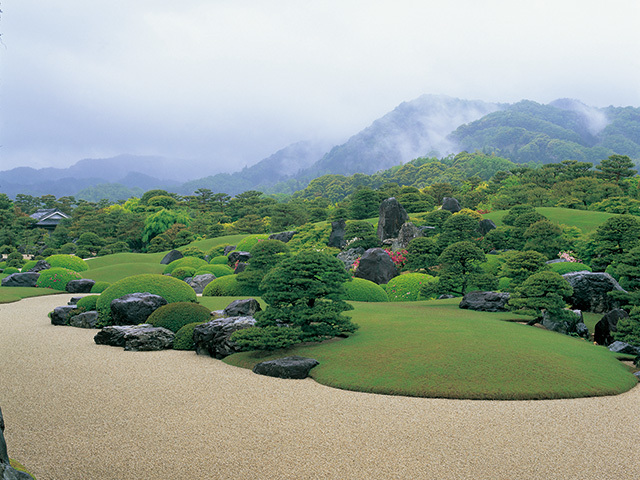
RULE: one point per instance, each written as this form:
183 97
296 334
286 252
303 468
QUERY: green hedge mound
361 290
217 270
57 278
226 286
10 270
100 287
88 303
566 267
247 243
67 261
184 337
219 260
193 262
406 288
183 272
174 316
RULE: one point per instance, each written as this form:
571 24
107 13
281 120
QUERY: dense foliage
174 316
57 278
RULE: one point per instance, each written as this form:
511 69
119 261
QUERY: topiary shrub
247 243
174 316
29 265
83 253
67 261
193 262
217 270
88 303
57 278
68 248
219 260
10 270
566 267
169 288
218 250
361 290
406 288
226 286
184 337
193 252
183 272
100 287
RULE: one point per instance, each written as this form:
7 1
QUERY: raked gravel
77 410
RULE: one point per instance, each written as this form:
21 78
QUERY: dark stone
228 249
135 308
485 226
350 256
39 266
84 285
84 320
19 279
74 300
376 265
485 301
242 308
237 256
287 367
407 232
336 237
282 236
590 291
392 217
171 256
451 204
212 338
136 338
61 315
570 323
622 347
607 324
240 267
200 281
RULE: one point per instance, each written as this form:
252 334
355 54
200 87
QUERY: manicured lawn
13 294
585 220
435 349
207 243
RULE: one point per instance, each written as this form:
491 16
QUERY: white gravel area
77 410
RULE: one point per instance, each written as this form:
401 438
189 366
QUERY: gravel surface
76 410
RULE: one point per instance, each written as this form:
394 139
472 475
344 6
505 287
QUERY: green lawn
585 220
435 349
13 294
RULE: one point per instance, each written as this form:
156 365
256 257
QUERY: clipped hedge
193 252
67 261
88 303
169 288
219 260
362 290
226 286
217 270
184 337
566 267
174 316
406 288
57 278
247 243
193 262
100 287
10 270
183 272
29 265
218 250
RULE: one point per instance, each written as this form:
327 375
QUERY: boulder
485 301
570 323
336 237
282 236
485 226
242 308
136 338
392 217
240 267
73 301
376 265
83 285
135 308
237 256
622 347
287 367
590 291
84 320
228 249
212 338
350 256
171 256
451 204
200 281
61 315
407 232
19 279
39 266
607 324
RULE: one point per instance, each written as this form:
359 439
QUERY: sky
222 84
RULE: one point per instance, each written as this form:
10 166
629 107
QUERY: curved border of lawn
434 349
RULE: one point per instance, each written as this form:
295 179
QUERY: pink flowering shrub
568 256
57 278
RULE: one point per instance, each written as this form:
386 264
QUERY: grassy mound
67 261
247 243
362 290
57 278
566 267
100 287
435 349
219 260
226 286
406 288
88 303
174 316
193 262
217 270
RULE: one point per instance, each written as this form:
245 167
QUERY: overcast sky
231 82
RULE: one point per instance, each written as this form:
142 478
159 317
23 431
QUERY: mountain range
430 125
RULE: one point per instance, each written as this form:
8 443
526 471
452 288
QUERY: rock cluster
485 301
213 338
136 338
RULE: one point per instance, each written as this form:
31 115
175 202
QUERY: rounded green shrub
100 287
219 260
57 278
193 252
88 303
183 272
10 270
67 261
68 248
184 337
29 265
566 267
218 250
248 242
226 286
169 288
406 288
361 290
217 270
193 262
174 316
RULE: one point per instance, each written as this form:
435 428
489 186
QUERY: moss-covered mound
217 270
10 270
406 288
226 286
184 337
88 303
174 316
57 278
183 272
193 262
169 288
67 261
219 260
361 290
247 243
566 267
100 287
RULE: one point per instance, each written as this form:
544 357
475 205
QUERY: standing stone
336 238
607 324
451 204
83 285
376 265
590 291
228 249
4 456
171 256
135 308
485 226
408 232
240 267
392 217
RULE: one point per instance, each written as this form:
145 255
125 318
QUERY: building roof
48 217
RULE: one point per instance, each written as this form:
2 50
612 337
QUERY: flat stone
287 367
20 279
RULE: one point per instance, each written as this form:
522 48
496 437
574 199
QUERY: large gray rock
287 367
607 324
84 320
336 237
569 323
212 338
407 232
590 291
485 301
82 285
237 256
39 266
282 236
200 281
135 308
392 217
622 347
136 338
240 267
242 308
350 256
228 249
485 226
20 279
376 265
171 257
451 204
61 315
